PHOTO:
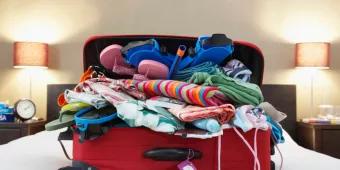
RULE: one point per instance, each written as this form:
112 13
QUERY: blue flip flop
214 49
137 51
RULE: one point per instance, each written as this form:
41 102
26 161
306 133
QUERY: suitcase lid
248 53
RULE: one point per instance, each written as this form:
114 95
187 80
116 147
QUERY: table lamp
30 55
312 55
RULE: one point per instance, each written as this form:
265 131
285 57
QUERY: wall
273 25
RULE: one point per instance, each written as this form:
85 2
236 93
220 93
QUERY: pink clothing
114 91
191 113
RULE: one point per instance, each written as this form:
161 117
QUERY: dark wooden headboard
283 97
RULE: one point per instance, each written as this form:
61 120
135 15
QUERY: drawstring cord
255 146
256 160
278 149
219 144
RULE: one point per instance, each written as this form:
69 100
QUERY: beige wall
271 24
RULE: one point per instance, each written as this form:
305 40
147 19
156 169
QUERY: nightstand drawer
9 135
321 137
15 130
330 142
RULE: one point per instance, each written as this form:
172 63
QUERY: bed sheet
42 151
296 157
39 151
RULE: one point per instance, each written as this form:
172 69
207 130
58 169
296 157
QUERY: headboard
283 97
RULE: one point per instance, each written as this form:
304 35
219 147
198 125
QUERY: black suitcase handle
172 154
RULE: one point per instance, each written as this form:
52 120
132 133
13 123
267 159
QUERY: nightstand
11 131
321 137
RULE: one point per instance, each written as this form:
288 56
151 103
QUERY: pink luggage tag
187 164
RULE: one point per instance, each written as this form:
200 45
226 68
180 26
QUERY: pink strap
219 152
255 146
256 159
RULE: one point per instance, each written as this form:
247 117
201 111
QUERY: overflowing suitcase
138 148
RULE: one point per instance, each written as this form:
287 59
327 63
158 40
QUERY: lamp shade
312 54
30 54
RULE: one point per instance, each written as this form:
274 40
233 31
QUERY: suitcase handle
172 154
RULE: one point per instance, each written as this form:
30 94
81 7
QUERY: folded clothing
239 92
91 72
185 74
135 115
165 102
190 93
190 113
92 99
114 91
236 69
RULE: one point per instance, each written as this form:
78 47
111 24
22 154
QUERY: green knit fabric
241 93
185 74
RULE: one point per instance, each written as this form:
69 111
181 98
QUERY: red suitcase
123 148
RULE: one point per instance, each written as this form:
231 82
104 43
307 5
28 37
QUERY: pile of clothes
167 93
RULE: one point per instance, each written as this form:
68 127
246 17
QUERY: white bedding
42 151
296 157
37 152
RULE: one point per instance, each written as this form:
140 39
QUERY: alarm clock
24 109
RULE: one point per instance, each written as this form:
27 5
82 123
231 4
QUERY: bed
42 151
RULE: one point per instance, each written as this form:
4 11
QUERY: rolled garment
257 118
248 117
208 124
241 120
237 91
189 93
92 99
190 113
135 115
185 74
261 120
236 69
